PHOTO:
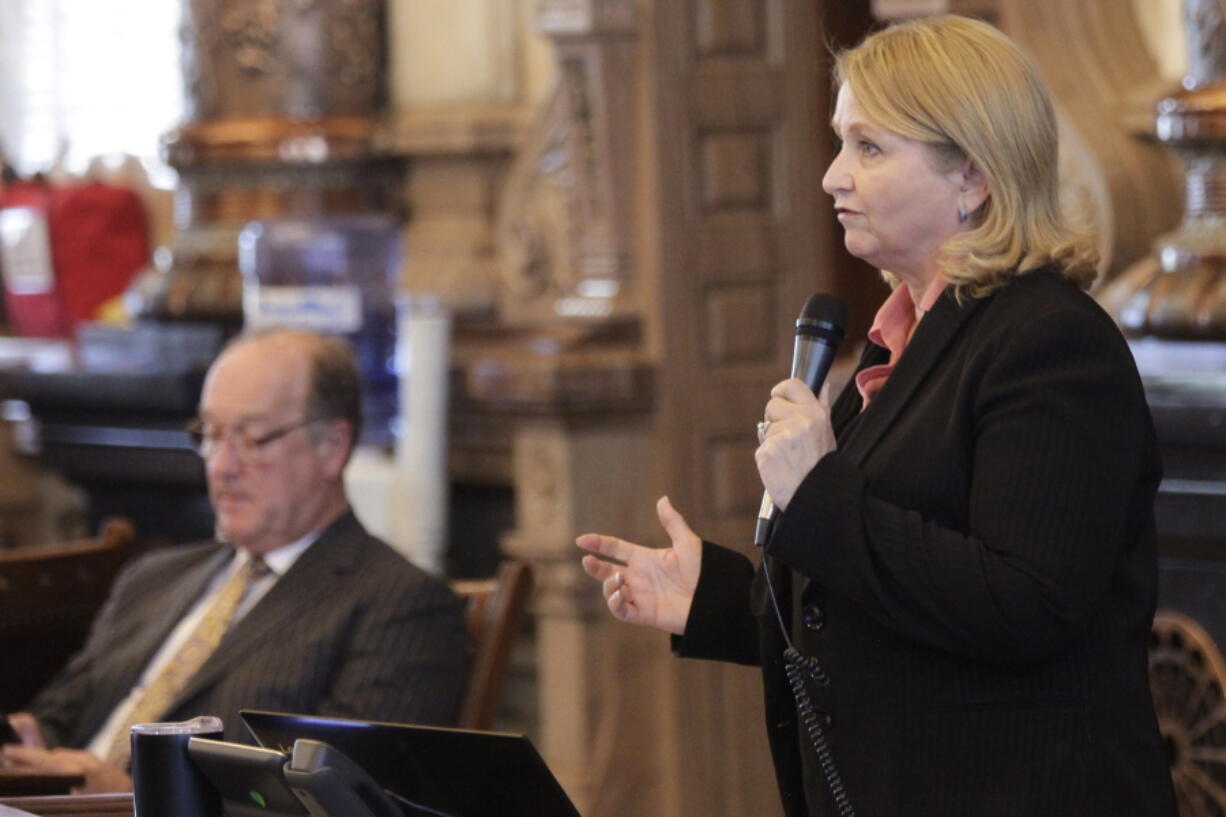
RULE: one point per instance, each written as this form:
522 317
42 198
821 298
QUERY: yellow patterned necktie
160 692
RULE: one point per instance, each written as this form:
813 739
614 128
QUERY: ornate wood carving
534 222
1186 677
298 59
565 230
581 453
460 157
284 101
1181 290
1101 86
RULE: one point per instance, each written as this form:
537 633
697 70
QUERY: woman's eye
868 148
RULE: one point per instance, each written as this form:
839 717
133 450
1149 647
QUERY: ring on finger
763 427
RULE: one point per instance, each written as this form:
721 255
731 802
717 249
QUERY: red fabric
99 239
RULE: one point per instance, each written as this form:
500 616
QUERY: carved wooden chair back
1187 677
48 598
493 610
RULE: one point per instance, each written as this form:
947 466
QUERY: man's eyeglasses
246 444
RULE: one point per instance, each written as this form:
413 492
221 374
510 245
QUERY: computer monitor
458 772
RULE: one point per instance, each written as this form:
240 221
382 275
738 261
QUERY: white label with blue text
332 310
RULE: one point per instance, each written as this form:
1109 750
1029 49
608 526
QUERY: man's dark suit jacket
980 554
351 630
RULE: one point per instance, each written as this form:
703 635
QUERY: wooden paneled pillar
741 121
580 402
660 228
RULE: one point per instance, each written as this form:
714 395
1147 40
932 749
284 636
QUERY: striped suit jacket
975 570
351 630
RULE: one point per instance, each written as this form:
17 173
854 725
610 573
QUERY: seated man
317 615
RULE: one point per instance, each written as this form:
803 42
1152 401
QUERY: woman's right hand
652 586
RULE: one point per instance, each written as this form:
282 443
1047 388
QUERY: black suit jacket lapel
932 337
845 411
293 596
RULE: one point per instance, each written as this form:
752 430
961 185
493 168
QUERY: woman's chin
857 246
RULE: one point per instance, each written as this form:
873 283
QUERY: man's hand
99 777
26 727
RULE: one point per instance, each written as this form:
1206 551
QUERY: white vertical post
423 358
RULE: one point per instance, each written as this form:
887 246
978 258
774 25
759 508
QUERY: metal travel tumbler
165 782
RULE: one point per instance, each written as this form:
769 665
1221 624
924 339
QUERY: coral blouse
891 329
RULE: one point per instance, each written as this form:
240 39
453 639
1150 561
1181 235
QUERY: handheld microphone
819 331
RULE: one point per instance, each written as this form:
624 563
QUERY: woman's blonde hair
964 89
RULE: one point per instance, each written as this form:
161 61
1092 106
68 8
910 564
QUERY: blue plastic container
336 275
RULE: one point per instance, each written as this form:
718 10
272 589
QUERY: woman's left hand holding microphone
797 434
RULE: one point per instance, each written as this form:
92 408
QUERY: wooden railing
79 805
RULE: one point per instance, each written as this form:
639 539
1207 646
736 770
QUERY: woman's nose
837 178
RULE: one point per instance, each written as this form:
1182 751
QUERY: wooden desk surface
15 784
78 805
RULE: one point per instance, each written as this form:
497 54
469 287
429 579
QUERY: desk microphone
819 331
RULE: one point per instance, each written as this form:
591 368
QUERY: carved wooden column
741 128
580 401
576 374
459 155
660 225
577 170
283 116
1180 290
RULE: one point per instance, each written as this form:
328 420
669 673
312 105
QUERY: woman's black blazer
975 570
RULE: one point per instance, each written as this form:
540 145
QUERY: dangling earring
962 212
